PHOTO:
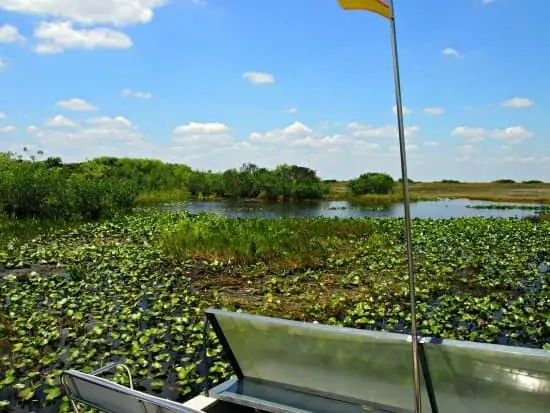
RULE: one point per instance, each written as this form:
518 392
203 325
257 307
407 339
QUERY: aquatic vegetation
538 208
133 288
17 231
291 242
148 198
387 199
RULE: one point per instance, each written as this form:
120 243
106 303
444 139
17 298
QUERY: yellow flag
381 7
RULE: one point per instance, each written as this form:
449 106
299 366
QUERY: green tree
371 183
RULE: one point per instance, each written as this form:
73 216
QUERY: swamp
117 259
134 287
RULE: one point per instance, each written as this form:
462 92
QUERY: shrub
371 183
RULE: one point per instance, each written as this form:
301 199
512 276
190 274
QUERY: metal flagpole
407 208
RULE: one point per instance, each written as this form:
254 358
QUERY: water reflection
450 208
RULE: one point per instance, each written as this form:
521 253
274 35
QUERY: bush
371 183
504 181
31 189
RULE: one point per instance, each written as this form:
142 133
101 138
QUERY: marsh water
448 208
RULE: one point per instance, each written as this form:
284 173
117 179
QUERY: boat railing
97 392
290 366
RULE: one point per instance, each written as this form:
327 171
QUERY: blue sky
216 83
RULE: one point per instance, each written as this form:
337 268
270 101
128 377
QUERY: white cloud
56 37
449 51
259 78
431 144
60 121
388 131
103 134
2 116
32 129
76 104
126 93
118 122
434 111
469 132
7 129
196 136
10 34
197 128
116 12
406 110
299 136
517 103
292 132
318 142
528 160
291 110
3 64
513 134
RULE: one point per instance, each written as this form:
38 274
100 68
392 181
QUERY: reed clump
292 242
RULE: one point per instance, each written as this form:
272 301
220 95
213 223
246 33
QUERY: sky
217 83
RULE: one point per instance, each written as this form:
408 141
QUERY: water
449 208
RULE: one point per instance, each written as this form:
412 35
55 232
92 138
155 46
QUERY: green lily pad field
134 288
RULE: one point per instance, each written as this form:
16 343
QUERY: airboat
284 366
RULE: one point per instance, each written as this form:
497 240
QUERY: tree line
49 188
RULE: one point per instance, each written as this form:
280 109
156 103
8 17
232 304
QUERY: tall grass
542 218
23 230
149 198
501 197
288 242
484 191
388 199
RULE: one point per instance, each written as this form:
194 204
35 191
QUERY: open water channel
448 208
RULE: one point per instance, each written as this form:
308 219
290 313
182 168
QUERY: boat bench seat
289 366
107 396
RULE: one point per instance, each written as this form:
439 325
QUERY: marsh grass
149 198
281 243
339 191
538 208
426 191
501 197
541 218
23 230
389 199
485 191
